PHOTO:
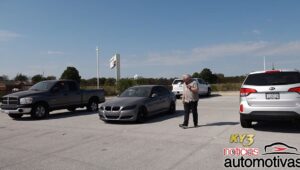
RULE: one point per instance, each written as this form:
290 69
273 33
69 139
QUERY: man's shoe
183 126
196 126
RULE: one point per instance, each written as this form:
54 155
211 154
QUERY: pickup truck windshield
137 92
42 86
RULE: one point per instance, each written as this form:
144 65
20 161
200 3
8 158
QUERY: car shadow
277 126
210 96
221 124
152 119
60 115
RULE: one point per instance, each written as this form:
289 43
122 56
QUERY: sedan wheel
172 108
141 116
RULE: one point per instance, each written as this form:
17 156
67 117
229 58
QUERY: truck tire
39 111
15 116
92 106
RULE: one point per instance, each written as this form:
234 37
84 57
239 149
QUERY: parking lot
81 141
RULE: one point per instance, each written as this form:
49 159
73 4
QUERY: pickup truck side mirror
154 95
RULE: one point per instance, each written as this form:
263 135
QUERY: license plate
272 96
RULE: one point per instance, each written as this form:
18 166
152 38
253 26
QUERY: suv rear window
278 78
178 82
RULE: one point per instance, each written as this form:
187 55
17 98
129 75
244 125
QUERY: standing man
190 99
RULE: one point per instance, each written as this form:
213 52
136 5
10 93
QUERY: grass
109 90
226 87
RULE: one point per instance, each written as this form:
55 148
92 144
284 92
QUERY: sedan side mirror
154 95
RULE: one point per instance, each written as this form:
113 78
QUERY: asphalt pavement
80 140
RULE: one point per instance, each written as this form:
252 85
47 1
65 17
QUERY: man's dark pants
187 108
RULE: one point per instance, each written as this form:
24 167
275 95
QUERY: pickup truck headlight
26 100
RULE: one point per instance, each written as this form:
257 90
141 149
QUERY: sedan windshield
136 92
42 86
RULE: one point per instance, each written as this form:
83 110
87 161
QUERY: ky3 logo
245 139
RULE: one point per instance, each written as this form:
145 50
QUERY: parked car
50 95
204 87
266 95
137 103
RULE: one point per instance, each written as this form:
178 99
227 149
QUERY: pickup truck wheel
15 116
39 111
93 105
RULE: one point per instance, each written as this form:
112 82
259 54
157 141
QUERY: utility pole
97 53
264 63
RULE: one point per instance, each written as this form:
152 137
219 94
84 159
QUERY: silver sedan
137 103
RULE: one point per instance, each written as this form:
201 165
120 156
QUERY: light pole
97 53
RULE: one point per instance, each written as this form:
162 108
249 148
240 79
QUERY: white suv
273 94
204 87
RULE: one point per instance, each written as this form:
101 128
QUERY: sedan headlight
26 100
129 107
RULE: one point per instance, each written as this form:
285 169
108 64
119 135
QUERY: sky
155 38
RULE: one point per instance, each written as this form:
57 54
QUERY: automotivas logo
275 155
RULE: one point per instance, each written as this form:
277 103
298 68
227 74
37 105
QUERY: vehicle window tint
155 90
72 86
200 81
61 86
278 78
178 82
163 91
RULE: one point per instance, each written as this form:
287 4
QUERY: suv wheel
15 116
245 123
39 111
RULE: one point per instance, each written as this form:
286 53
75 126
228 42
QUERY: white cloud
8 35
256 32
55 52
241 49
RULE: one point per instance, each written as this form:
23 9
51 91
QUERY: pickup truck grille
10 100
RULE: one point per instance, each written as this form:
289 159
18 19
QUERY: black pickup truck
50 95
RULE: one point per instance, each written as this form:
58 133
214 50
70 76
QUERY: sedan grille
112 108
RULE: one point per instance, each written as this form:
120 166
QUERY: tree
71 73
21 77
50 78
208 76
196 75
4 78
37 78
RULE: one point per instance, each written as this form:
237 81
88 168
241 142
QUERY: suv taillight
295 89
246 91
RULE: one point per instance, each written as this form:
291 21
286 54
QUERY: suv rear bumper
269 115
